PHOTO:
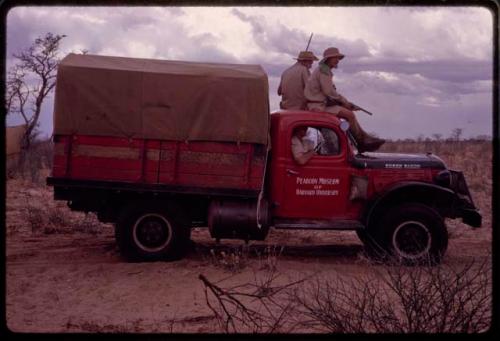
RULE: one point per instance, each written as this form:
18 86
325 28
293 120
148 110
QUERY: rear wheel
151 233
410 233
362 235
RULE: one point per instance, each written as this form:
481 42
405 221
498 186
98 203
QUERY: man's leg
356 130
365 141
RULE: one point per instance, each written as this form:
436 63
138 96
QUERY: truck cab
318 190
395 202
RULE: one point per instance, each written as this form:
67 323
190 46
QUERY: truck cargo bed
158 164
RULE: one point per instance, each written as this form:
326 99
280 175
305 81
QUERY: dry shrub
256 307
29 163
88 223
236 259
35 216
49 220
58 217
401 299
233 259
58 220
269 258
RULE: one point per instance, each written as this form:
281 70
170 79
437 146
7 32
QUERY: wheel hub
152 232
411 239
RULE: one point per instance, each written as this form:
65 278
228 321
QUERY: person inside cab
302 149
309 141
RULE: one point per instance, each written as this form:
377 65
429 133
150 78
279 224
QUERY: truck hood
398 161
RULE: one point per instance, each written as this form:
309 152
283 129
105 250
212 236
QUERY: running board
307 224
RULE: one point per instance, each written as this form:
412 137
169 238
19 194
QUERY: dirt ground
67 280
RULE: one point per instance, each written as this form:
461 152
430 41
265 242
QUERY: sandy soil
67 281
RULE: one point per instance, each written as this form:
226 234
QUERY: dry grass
235 259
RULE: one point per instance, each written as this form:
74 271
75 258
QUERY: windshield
352 143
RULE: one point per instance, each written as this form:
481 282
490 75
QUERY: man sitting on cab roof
293 81
322 95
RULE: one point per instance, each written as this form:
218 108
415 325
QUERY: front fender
446 202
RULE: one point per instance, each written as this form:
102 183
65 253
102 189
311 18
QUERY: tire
151 233
410 233
362 235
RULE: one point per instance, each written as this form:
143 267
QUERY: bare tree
437 136
31 80
456 134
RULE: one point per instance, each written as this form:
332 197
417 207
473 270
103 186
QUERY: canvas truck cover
161 99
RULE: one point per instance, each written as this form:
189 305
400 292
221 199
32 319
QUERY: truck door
318 189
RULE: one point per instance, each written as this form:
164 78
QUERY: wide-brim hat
332 52
306 55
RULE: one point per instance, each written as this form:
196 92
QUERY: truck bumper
471 217
467 210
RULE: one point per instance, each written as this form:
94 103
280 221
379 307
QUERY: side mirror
344 126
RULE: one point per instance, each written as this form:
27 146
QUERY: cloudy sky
420 70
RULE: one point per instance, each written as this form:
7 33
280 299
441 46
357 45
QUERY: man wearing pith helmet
293 81
322 95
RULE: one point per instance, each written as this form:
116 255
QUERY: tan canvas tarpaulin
160 99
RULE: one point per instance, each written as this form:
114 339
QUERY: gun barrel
366 111
309 42
369 113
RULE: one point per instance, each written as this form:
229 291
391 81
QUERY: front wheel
151 234
410 233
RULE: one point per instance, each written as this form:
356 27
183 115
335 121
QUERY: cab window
324 140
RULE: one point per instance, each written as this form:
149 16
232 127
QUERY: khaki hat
306 55
332 52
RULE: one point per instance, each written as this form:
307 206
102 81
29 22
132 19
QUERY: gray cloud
281 39
276 38
423 83
461 70
428 95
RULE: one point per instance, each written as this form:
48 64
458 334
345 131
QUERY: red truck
158 147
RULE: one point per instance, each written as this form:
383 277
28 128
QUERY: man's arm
300 154
302 158
329 90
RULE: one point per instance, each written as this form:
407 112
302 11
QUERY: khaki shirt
291 88
320 86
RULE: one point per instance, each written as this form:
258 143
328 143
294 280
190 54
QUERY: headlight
443 178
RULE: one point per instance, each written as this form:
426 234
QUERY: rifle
357 107
331 101
307 47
